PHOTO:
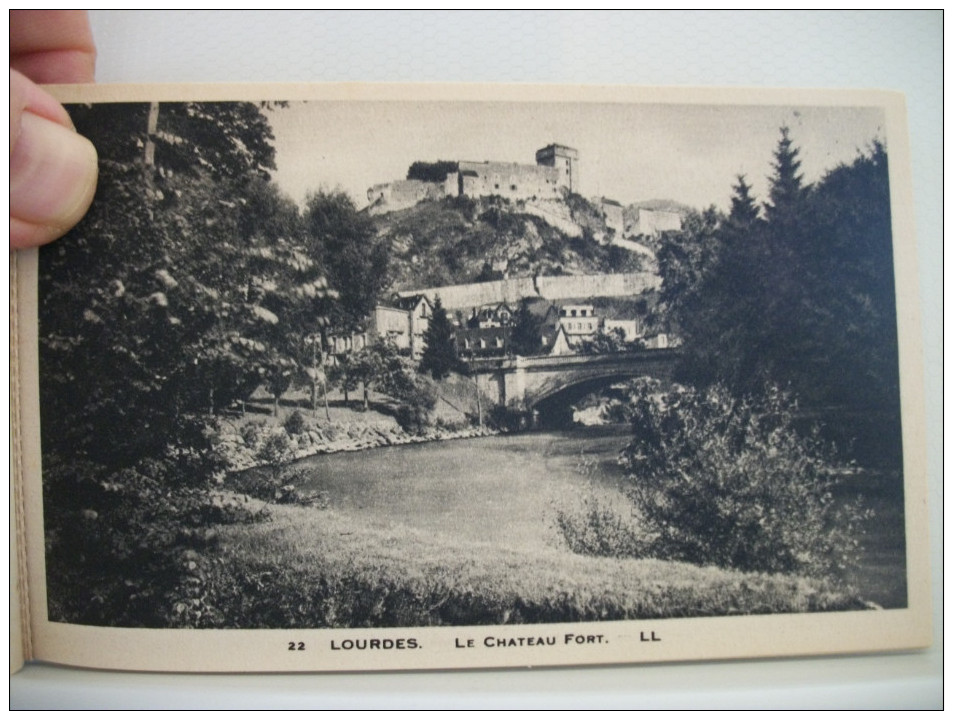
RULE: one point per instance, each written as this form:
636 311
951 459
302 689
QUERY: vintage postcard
365 377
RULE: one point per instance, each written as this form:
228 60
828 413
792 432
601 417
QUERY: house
490 316
631 328
482 342
579 321
404 322
560 343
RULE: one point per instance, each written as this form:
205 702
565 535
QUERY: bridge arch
531 381
555 408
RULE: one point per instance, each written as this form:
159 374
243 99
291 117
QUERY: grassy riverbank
408 539
307 568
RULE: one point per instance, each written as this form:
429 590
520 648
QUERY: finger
27 96
53 170
52 46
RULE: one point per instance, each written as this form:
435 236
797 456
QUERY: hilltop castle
555 174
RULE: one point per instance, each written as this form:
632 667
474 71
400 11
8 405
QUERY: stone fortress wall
553 288
555 173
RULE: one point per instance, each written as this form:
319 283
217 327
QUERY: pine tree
440 356
787 190
744 208
525 338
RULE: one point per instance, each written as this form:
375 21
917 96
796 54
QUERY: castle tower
565 160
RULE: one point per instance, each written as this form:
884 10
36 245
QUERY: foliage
180 292
597 524
121 544
786 192
174 294
440 354
744 208
431 172
525 337
419 396
729 482
344 373
685 259
295 423
488 273
802 297
612 341
355 257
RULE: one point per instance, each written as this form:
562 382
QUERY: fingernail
53 173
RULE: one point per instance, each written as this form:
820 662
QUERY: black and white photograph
496 365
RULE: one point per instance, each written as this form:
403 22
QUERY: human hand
53 169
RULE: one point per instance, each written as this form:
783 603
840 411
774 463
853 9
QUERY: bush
295 423
599 524
729 482
514 417
251 432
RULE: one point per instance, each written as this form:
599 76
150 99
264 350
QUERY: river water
502 490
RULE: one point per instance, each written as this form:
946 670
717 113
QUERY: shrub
729 482
295 423
251 433
514 417
420 398
599 524
117 541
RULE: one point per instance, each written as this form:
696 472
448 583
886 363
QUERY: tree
804 298
612 341
786 190
181 288
431 172
346 243
173 297
685 258
525 336
744 208
440 355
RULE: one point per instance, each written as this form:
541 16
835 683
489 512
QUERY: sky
627 152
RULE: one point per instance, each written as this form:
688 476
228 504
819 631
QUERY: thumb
53 169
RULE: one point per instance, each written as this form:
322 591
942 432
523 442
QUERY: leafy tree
440 355
488 273
344 373
345 242
435 172
685 258
612 341
153 296
174 296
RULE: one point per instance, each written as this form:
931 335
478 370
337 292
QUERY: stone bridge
538 381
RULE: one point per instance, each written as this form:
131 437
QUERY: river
499 490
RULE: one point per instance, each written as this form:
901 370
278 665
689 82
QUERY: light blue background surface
895 50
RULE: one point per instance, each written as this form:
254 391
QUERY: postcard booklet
366 377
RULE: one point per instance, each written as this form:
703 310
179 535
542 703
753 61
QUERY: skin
53 169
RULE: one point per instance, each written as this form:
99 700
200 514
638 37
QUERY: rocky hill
462 240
